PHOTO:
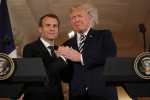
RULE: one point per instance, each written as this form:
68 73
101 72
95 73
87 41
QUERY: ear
40 29
90 18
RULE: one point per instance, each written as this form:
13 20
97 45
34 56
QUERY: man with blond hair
87 54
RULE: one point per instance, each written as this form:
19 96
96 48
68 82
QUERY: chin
78 29
51 39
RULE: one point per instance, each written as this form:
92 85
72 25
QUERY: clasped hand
68 53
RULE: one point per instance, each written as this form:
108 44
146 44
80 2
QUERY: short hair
85 7
49 15
91 12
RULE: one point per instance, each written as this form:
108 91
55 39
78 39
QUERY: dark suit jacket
52 67
97 46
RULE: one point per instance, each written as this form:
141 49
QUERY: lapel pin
90 35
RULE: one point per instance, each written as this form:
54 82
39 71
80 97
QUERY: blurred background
122 17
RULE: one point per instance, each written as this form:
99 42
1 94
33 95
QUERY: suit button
86 88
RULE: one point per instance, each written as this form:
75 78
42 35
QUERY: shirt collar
78 35
46 44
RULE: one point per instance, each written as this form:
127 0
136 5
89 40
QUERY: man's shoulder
103 31
67 42
32 44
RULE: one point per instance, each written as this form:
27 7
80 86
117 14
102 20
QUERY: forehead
50 20
78 12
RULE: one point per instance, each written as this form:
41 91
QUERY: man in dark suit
87 54
45 48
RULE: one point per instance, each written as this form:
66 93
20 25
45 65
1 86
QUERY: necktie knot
82 37
52 51
51 47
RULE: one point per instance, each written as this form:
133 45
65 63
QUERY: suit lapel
88 40
55 48
43 48
74 43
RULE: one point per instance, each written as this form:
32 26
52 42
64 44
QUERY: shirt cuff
63 58
82 63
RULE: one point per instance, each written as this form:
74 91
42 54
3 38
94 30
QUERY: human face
49 29
80 20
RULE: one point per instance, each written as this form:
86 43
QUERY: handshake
68 53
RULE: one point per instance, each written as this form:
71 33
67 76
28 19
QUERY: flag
7 45
149 45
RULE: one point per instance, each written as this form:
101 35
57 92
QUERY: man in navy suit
45 48
87 55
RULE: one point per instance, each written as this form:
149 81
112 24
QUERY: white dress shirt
46 44
78 41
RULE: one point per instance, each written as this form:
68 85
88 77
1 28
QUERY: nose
51 27
77 19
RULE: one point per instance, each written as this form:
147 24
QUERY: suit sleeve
57 66
33 51
103 48
66 74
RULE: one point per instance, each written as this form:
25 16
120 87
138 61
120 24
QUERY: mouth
77 25
51 33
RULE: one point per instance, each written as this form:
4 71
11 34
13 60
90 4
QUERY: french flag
7 45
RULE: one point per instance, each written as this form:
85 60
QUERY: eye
55 25
47 25
73 17
80 16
